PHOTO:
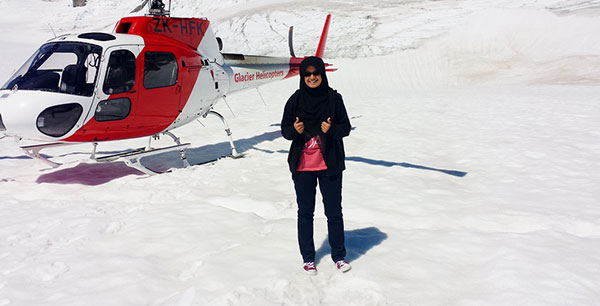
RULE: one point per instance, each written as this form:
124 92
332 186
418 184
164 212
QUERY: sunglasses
315 73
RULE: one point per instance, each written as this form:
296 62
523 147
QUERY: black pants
305 183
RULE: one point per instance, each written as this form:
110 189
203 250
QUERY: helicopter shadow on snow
208 153
90 174
93 173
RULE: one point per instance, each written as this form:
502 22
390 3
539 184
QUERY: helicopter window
160 69
58 67
120 74
58 120
58 61
114 109
97 36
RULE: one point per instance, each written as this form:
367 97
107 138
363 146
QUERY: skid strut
181 151
234 152
177 142
34 151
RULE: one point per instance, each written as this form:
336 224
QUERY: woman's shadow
358 243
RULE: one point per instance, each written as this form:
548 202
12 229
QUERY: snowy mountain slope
472 178
261 26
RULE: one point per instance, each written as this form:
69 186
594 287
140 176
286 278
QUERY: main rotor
157 8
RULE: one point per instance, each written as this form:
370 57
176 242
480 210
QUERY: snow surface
473 169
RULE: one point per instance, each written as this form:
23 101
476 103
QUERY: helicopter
152 74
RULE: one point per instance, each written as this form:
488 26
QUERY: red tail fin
321 48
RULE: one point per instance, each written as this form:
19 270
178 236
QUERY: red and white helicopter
153 74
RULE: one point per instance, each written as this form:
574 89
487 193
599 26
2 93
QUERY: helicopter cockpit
63 67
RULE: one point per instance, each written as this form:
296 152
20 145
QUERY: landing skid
132 158
34 151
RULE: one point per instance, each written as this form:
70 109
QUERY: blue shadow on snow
358 243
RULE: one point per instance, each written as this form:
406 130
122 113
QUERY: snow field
472 177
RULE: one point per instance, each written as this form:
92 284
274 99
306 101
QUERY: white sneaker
343 266
310 268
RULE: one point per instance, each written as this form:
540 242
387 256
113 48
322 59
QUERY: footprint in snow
189 273
267 229
53 271
114 227
187 298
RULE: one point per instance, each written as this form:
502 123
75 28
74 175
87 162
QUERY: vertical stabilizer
322 42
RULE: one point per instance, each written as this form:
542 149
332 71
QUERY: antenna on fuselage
157 8
52 29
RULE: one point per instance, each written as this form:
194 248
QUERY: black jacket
333 153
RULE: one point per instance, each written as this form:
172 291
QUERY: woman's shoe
310 268
343 266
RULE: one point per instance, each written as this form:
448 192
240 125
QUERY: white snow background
473 167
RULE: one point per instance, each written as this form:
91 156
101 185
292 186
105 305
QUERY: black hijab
313 104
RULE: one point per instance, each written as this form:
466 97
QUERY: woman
315 120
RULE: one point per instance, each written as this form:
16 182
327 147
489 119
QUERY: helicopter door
117 95
159 96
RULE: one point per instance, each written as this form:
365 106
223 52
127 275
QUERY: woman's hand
326 125
299 126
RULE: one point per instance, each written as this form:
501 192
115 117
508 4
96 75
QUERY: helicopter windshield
65 67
